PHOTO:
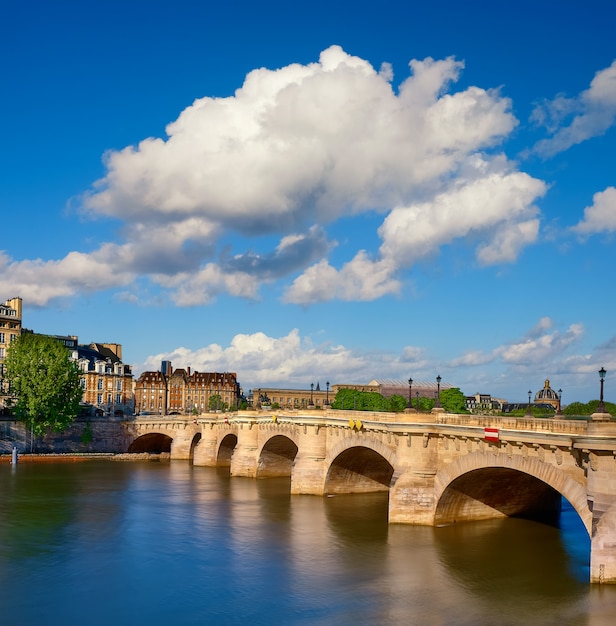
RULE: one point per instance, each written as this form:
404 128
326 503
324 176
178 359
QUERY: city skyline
339 192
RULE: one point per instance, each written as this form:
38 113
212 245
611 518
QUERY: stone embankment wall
82 436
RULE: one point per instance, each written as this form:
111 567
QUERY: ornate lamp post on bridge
528 411
311 403
327 393
437 397
601 407
410 405
560 406
601 413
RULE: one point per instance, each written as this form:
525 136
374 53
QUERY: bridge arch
276 457
152 443
477 485
225 450
359 466
193 444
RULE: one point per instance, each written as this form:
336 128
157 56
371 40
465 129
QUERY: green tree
216 403
395 403
45 381
453 401
425 404
352 399
588 408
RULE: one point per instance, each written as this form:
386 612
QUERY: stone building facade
184 391
106 381
10 329
292 398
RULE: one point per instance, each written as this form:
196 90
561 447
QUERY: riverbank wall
83 436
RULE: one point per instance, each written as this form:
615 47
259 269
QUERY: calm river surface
115 543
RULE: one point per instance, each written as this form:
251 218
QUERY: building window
2 339
99 398
118 398
100 383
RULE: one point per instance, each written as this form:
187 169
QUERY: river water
116 543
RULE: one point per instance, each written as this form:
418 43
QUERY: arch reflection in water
518 566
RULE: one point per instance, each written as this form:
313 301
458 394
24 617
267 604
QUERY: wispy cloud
541 344
573 120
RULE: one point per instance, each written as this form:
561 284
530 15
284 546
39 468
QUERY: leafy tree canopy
588 408
216 403
352 399
45 381
453 400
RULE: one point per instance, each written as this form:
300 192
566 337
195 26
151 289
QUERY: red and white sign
490 434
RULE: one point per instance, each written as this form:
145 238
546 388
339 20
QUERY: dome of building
547 395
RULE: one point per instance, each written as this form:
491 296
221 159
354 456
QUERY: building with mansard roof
184 391
106 381
151 391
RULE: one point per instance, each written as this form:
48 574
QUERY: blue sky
335 191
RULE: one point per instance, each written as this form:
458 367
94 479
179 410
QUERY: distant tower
165 367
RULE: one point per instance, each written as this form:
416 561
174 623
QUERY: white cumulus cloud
289 360
292 151
600 216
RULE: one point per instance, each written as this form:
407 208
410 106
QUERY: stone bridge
438 468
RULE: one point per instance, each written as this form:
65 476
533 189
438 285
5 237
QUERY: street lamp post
560 405
528 411
601 407
327 393
410 405
311 390
438 392
601 413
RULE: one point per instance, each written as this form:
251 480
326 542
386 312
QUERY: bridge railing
395 421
